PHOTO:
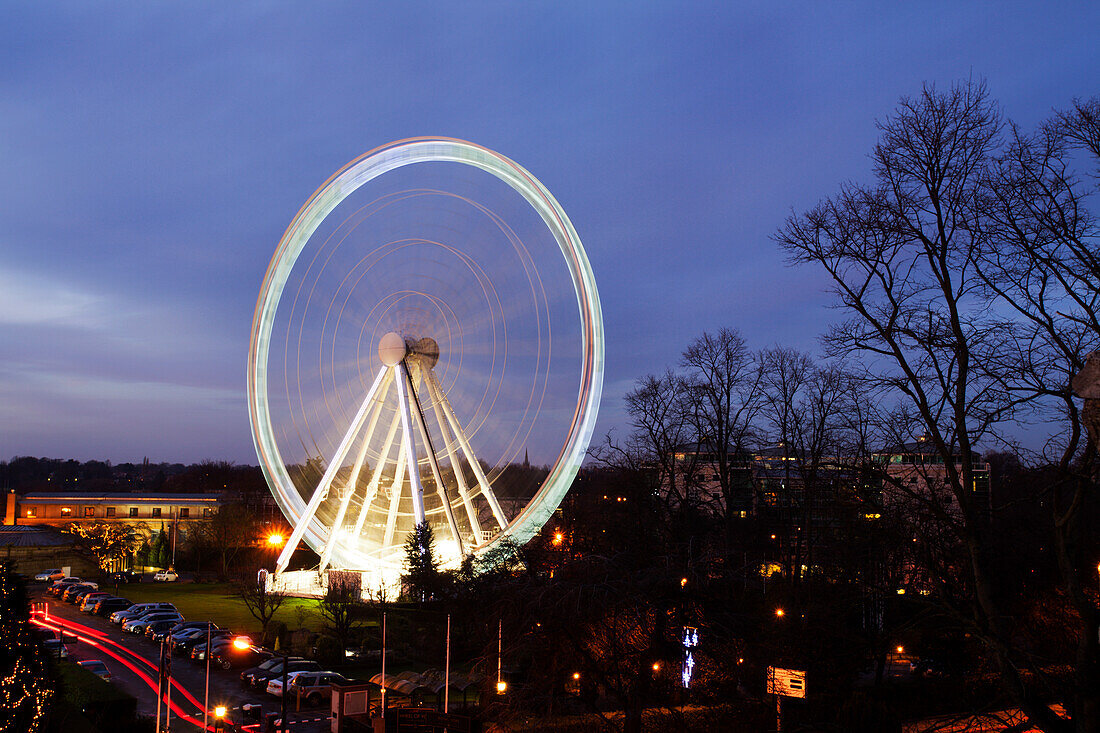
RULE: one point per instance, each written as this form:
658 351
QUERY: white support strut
410 445
483 482
321 492
395 495
376 477
418 414
456 467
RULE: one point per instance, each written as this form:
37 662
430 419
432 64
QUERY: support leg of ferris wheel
482 481
321 492
418 416
409 443
395 494
353 480
460 475
376 477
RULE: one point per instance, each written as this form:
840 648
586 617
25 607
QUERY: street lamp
275 540
780 613
219 716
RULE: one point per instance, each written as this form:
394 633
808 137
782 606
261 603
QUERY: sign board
786 682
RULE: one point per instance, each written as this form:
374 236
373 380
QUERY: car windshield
272 663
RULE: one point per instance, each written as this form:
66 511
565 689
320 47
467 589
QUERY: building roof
32 536
72 497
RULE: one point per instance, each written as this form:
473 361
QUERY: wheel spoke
456 467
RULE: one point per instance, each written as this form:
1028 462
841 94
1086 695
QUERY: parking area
133 662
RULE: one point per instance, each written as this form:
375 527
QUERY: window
32 512
133 511
89 511
206 513
156 512
110 512
66 511
184 512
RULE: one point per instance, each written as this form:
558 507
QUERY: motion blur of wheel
427 346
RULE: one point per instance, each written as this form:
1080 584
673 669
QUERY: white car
166 576
137 626
49 575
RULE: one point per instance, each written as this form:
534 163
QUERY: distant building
60 508
919 480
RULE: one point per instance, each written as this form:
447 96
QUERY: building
145 511
918 480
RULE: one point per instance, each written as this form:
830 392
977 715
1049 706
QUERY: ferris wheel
427 347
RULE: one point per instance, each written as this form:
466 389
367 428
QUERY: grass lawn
219 603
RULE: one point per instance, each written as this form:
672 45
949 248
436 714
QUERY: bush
328 650
276 630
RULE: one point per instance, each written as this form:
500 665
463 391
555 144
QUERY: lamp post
219 716
286 670
206 697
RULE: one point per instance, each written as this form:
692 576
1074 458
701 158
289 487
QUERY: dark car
58 586
218 645
257 677
70 593
126 576
185 644
109 605
230 656
158 629
179 628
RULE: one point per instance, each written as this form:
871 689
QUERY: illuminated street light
275 540
576 675
558 538
656 666
683 582
219 711
901 649
780 613
502 687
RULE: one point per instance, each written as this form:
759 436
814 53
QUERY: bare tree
723 387
261 602
902 256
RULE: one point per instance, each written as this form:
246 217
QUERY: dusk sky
152 154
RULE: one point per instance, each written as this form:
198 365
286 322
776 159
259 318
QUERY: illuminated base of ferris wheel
405 366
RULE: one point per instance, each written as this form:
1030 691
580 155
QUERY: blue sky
151 155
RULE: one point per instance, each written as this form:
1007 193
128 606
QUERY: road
134 663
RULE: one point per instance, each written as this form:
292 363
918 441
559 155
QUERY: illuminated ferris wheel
427 347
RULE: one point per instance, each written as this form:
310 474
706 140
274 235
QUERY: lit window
133 511
110 512
207 513
156 512
184 512
89 511
32 512
66 511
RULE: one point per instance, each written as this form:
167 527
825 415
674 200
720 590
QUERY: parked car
51 647
87 603
50 575
186 644
126 576
157 630
313 687
218 645
107 606
58 586
166 576
230 656
96 667
75 589
138 625
138 609
258 677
